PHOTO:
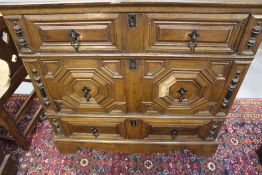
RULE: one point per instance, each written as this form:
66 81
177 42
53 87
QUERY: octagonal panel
71 82
100 86
196 85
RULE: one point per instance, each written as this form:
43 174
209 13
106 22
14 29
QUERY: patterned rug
239 138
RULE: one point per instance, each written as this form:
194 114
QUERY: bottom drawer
184 129
92 127
137 127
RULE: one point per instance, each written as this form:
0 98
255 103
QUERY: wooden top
15 3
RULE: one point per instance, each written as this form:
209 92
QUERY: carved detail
18 31
153 68
51 67
112 68
72 82
148 107
230 89
41 87
198 81
255 31
220 69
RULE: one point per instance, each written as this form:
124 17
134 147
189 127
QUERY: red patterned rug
239 138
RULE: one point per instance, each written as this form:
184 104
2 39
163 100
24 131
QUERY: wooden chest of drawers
136 76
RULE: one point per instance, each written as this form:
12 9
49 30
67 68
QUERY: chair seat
4 77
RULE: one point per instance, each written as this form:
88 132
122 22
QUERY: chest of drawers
136 76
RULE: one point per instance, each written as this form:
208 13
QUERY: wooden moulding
202 148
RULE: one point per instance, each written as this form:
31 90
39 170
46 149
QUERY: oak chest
136 76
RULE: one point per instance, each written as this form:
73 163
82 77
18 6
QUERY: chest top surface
81 2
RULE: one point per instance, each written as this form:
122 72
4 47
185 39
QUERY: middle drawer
122 85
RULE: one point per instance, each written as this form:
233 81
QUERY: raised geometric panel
97 32
170 32
51 67
101 88
196 83
112 68
153 67
148 107
165 85
221 69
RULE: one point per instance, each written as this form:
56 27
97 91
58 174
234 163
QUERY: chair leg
12 128
34 120
20 113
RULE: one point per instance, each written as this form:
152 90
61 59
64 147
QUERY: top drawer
129 32
93 32
209 33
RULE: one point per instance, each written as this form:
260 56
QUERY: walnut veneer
136 76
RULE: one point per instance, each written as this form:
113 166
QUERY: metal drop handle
95 132
74 39
181 92
86 92
192 44
173 133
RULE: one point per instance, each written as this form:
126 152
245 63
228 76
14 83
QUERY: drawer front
137 127
92 32
209 33
92 127
110 85
184 129
183 87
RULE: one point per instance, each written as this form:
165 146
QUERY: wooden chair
12 74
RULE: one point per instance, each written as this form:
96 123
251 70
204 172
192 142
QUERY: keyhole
132 20
133 123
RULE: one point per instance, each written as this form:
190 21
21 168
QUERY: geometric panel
97 32
112 67
153 67
99 86
196 84
170 32
221 69
50 67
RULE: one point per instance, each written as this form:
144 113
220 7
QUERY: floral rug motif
239 138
